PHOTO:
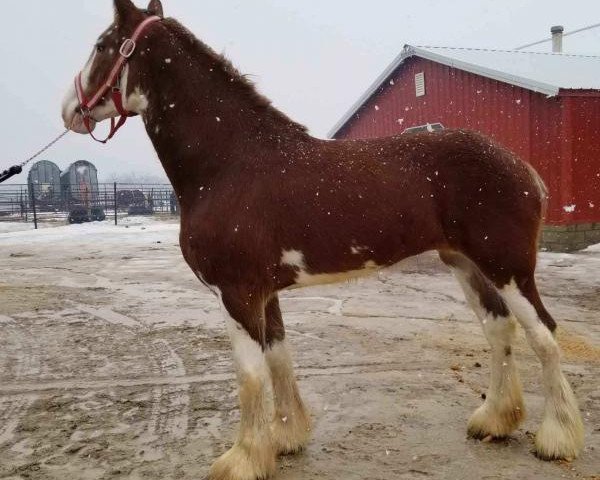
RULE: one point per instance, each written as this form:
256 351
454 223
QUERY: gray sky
313 58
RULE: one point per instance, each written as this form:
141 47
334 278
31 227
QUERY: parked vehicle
81 214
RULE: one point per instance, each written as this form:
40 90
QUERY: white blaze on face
136 101
71 118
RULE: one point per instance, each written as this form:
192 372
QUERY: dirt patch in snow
575 347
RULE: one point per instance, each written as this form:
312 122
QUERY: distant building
44 182
543 106
79 183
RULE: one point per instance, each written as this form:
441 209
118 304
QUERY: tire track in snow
14 408
170 403
365 368
4 320
336 308
173 400
109 316
308 335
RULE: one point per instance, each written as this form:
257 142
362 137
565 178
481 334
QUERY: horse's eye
99 48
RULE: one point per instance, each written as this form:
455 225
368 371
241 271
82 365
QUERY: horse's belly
308 277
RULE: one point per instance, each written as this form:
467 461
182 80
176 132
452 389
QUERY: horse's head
102 61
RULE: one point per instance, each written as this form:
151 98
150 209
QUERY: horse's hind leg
503 409
291 425
561 434
513 273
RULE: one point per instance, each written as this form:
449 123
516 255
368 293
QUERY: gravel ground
114 364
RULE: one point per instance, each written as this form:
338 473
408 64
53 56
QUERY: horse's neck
203 118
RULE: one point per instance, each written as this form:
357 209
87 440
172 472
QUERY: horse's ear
124 9
156 8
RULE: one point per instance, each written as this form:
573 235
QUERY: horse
267 207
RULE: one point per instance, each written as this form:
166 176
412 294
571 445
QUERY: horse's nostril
78 109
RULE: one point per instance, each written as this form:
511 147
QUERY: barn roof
546 73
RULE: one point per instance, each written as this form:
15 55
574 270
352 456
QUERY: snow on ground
593 249
128 229
115 364
8 227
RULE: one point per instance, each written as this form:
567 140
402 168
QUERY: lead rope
17 169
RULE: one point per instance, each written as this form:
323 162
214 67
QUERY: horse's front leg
253 455
291 425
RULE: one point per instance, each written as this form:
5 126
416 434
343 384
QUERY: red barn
543 106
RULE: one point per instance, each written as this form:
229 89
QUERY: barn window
420 84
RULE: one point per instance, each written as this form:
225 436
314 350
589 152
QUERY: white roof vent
430 127
420 84
557 38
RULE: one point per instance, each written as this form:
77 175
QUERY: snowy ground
114 364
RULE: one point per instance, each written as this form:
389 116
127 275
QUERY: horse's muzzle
77 125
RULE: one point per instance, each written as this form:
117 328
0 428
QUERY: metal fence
85 203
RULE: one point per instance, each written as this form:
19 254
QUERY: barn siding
539 129
546 135
586 159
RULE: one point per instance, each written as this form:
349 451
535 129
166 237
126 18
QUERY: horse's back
458 186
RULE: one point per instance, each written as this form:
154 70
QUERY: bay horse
265 207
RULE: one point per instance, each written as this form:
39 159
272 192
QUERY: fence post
115 202
33 206
23 206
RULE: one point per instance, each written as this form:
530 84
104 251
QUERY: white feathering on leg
291 425
561 434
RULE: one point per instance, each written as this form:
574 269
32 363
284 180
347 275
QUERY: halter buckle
127 48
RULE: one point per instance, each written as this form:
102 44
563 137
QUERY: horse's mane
245 86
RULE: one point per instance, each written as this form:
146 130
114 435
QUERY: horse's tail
541 188
542 191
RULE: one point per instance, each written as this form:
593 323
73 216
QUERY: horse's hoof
493 422
559 441
291 434
245 462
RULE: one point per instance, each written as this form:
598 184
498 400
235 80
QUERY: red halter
112 83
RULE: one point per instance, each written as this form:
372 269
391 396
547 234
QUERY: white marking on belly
295 258
357 250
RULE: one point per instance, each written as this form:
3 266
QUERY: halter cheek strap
112 83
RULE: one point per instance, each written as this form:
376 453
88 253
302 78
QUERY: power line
590 27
